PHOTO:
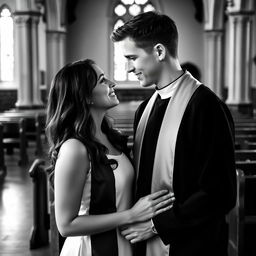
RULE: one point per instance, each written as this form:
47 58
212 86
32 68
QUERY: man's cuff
153 229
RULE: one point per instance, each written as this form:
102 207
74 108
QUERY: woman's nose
111 84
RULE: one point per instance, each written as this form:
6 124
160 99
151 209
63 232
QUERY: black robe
204 178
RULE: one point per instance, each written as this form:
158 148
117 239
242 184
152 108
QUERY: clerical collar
168 90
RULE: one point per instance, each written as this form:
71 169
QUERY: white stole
162 177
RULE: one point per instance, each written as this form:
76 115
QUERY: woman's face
103 94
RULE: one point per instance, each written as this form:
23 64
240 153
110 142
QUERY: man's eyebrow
129 56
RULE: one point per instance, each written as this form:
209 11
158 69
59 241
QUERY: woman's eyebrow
101 75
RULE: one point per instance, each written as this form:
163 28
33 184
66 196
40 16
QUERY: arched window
124 10
6 45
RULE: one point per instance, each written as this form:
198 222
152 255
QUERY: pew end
44 230
39 234
236 219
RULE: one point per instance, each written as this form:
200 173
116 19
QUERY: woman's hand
151 205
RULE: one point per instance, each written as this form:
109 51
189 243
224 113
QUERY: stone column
240 61
27 53
56 53
214 61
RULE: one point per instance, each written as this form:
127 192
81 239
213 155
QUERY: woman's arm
71 170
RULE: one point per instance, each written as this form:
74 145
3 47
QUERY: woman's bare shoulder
74 151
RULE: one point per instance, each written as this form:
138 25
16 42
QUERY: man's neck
169 79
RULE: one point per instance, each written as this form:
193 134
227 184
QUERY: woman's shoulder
73 148
73 158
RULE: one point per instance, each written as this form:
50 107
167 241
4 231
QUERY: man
183 143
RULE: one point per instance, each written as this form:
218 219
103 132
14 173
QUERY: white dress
124 175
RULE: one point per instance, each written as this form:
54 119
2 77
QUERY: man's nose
129 67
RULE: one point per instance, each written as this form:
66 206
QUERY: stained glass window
6 45
124 10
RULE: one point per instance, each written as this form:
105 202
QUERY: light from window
120 10
128 1
119 60
119 64
6 45
141 1
132 77
134 9
119 23
149 8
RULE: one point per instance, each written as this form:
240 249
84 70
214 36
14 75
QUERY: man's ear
160 51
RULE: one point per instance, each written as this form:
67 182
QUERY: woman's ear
89 101
160 51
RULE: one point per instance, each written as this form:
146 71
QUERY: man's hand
138 232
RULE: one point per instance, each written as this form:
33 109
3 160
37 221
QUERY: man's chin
145 85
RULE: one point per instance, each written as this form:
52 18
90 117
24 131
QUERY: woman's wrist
129 217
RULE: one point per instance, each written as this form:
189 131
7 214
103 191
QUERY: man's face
143 64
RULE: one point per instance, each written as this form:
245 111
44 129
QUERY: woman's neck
98 117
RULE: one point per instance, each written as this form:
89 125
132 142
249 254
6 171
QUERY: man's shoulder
204 96
205 100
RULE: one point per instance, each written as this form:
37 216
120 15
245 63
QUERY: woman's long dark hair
68 113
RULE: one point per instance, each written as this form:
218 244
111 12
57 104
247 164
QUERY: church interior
217 43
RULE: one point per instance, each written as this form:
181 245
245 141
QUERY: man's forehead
128 47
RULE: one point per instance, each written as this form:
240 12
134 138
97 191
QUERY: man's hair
147 29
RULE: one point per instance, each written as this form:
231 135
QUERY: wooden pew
250 145
43 208
57 240
39 235
245 155
245 130
2 162
35 131
237 145
250 215
246 124
35 125
242 139
236 219
242 218
244 120
14 135
248 167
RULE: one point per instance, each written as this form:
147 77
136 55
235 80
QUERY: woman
93 176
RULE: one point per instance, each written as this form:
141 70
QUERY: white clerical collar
167 91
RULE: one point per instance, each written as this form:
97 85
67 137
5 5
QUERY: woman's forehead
98 70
